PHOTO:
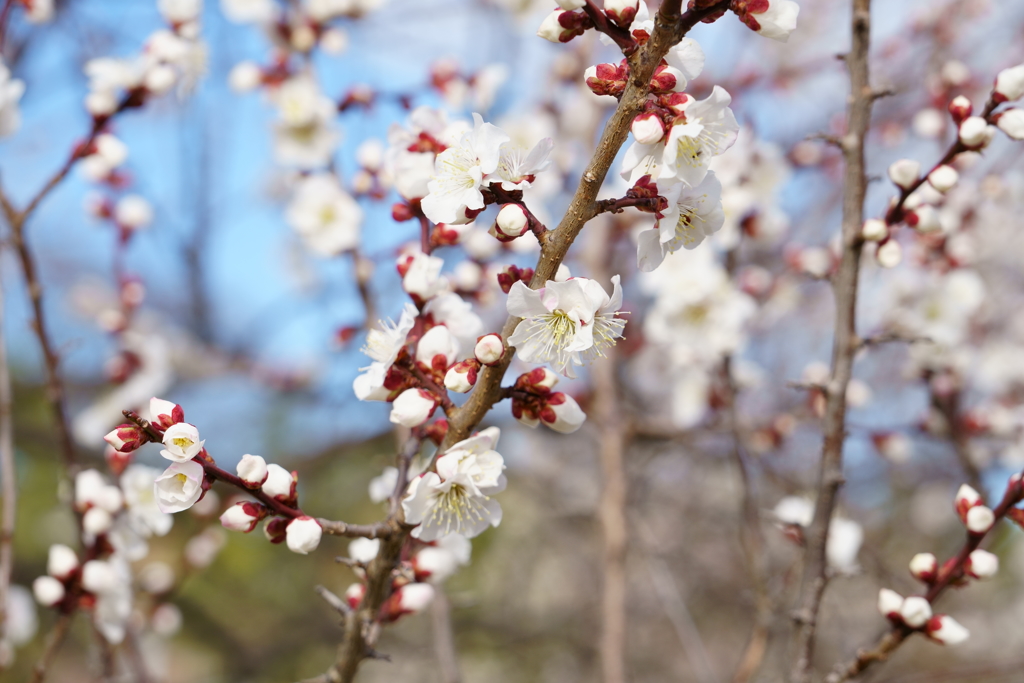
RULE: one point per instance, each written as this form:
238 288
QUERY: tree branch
9 484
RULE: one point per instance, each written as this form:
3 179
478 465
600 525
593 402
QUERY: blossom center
182 443
455 507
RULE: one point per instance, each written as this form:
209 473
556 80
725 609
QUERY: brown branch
444 643
53 642
949 573
339 605
9 484
844 344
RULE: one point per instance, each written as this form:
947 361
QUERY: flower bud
648 128
99 577
354 595
1010 84
924 219
889 254
412 408
133 212
180 486
946 630
303 535
874 230
668 79
48 591
915 611
538 378
905 173
889 603
100 103
1011 122
489 349
279 484
182 442
437 341
163 414
966 498
252 469
924 567
622 12
982 564
960 108
275 529
61 561
975 133
159 79
461 377
550 29
979 519
97 521
245 76
943 178
563 414
126 438
561 26
364 549
511 221
409 599
243 516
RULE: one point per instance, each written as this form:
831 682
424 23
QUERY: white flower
709 129
943 178
412 408
923 566
975 133
369 386
889 602
437 562
245 76
110 153
422 277
844 540
278 484
916 611
905 172
947 630
457 314
982 564
550 28
180 11
563 413
48 591
890 254
383 345
303 535
305 134
21 623
325 216
1010 83
415 597
98 576
459 172
61 561
182 441
240 517
563 320
517 168
133 212
1011 122
489 349
179 487
144 514
249 11
692 215
456 499
777 21
874 230
364 549
437 341
96 521
252 469
383 486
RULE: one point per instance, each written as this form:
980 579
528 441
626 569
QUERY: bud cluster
534 402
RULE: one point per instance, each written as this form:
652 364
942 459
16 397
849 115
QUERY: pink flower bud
889 603
981 565
648 129
275 529
622 12
61 561
461 377
438 348
874 230
303 535
943 178
252 469
924 567
243 516
966 498
1010 84
126 438
560 26
412 408
960 108
163 413
975 133
563 414
409 599
48 591
979 519
279 484
512 221
946 630
905 172
915 611
354 595
489 349
1011 122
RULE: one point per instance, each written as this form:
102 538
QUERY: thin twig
9 484
444 641
339 605
949 407
844 345
53 642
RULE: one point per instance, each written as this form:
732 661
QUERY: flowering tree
649 299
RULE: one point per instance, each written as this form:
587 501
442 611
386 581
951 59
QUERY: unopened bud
1011 122
975 133
563 414
979 519
905 173
279 483
1010 84
982 564
924 567
943 178
946 630
97 521
915 611
960 108
48 591
889 603
61 561
511 221
889 254
245 76
924 219
303 535
648 128
163 414
622 12
412 408
126 438
243 516
252 469
461 377
874 230
489 349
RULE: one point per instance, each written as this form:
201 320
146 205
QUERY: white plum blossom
564 321
48 591
252 469
383 486
459 172
363 549
915 611
249 11
946 630
61 561
517 168
324 215
412 408
692 214
437 562
278 483
457 498
422 277
776 21
1011 122
144 517
304 134
182 442
1010 83
563 413
133 212
437 341
179 487
383 345
709 129
302 535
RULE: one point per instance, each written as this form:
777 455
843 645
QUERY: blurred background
258 338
